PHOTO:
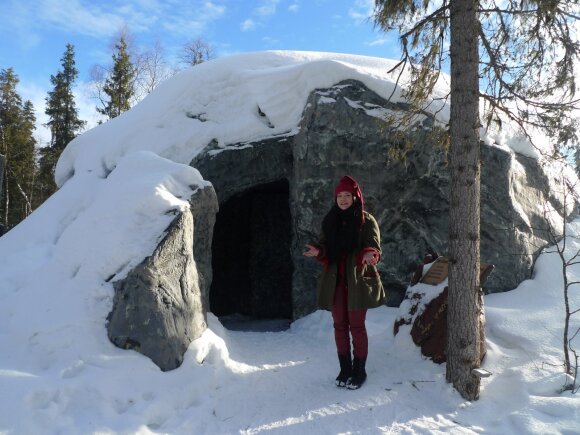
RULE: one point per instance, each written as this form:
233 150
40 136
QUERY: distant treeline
28 176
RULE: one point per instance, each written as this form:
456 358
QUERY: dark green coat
365 289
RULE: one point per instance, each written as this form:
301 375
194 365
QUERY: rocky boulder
429 329
342 131
158 308
425 307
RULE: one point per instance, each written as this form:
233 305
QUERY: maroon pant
346 321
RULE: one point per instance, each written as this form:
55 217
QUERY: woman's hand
313 251
369 258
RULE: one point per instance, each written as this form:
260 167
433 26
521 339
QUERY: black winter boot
359 374
345 370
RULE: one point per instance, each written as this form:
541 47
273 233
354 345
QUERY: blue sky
34 33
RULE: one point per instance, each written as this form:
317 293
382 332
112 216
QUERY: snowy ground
59 373
283 382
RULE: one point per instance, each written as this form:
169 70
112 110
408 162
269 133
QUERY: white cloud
212 10
381 40
193 20
29 20
294 7
268 8
84 17
361 10
249 24
270 41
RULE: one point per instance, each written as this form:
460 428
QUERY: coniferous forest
28 175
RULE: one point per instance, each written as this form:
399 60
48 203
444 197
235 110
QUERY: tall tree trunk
465 310
2 172
6 196
562 252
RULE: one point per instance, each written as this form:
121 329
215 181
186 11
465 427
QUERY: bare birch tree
566 246
197 51
152 69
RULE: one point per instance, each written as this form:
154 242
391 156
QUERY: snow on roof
219 100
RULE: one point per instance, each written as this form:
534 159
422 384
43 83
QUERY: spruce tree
10 115
119 86
45 185
17 143
64 122
525 53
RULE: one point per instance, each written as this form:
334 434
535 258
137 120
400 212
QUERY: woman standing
349 248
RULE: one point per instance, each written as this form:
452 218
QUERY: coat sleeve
321 245
371 239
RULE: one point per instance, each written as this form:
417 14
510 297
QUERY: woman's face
344 200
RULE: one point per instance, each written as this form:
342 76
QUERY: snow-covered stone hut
273 132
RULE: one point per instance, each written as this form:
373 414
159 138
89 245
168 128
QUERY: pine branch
434 16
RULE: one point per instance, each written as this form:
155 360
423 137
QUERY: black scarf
341 228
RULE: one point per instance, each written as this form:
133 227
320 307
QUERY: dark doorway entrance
252 267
